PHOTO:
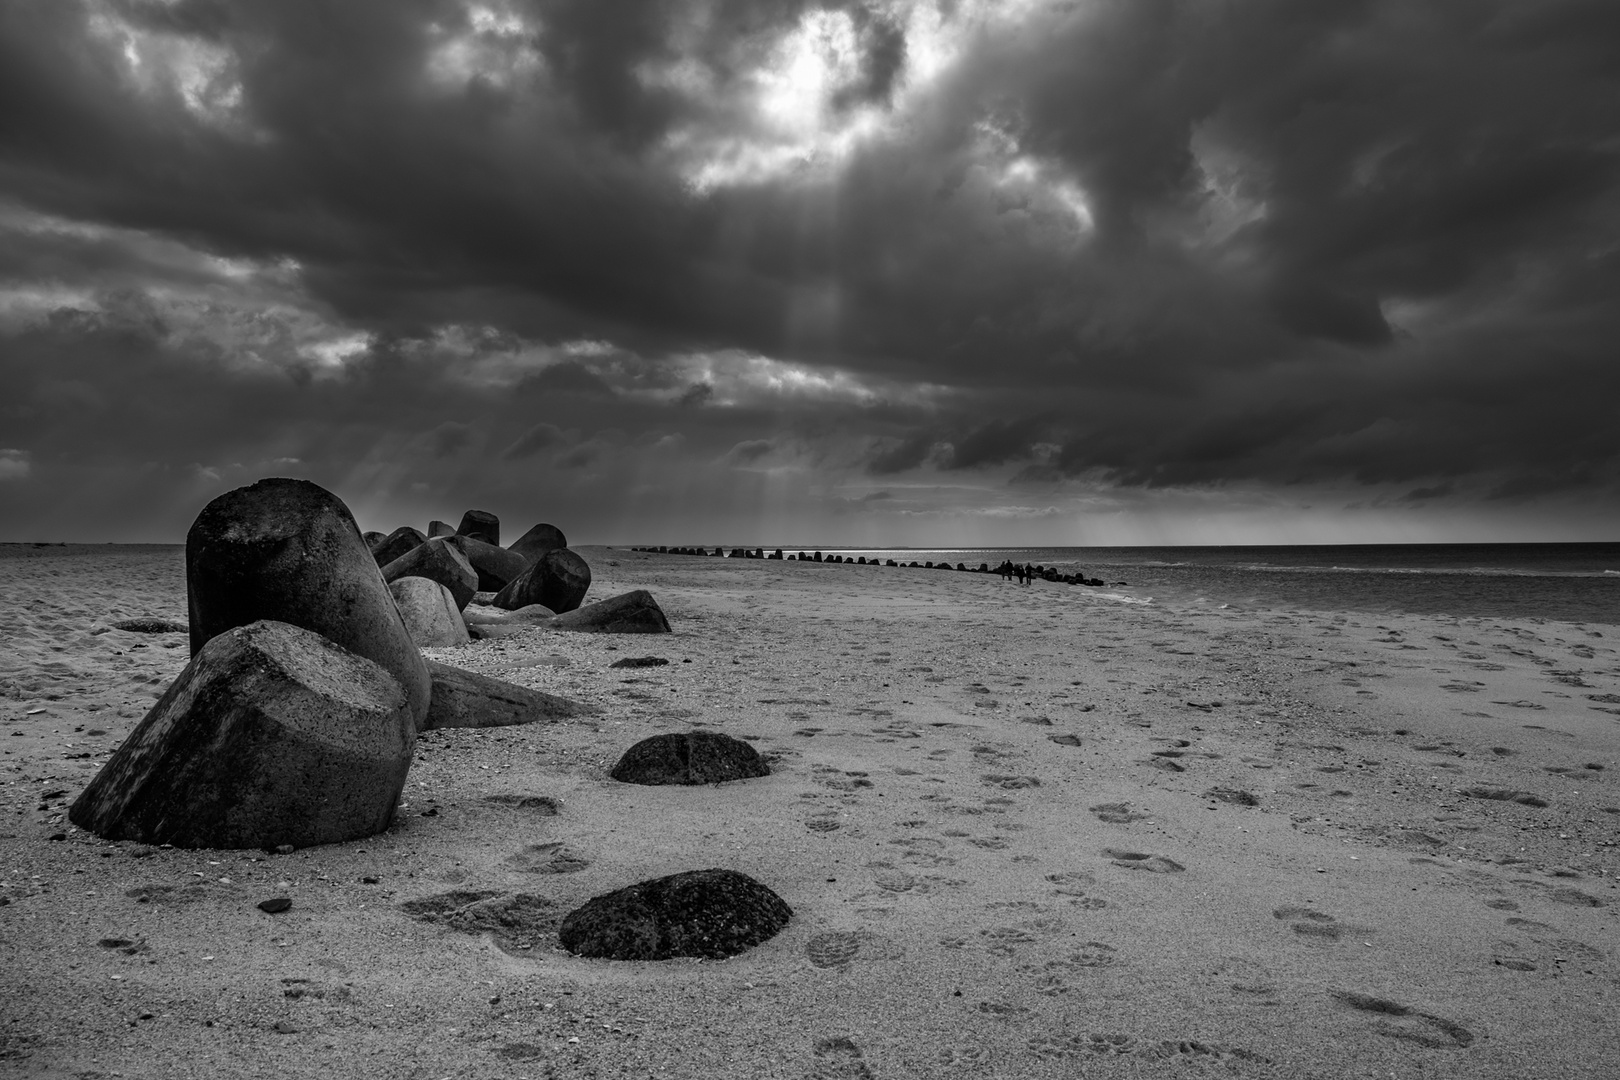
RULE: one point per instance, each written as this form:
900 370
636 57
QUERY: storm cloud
894 271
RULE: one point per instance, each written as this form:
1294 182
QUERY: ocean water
1568 582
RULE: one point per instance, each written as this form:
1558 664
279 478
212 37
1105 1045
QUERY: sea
1578 583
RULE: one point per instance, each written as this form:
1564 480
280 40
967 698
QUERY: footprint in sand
539 805
1141 860
1397 1021
838 1059
553 858
1004 940
1117 813
1245 976
833 948
1096 1045
1055 978
890 879
1314 925
517 921
1234 796
1010 783
1077 885
822 824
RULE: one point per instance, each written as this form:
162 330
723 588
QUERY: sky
893 272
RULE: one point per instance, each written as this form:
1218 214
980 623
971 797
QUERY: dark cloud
536 439
1123 247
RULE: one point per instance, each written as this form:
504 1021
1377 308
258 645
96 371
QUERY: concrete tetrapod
481 525
496 566
395 544
466 699
289 550
558 579
430 613
628 613
437 560
537 541
271 735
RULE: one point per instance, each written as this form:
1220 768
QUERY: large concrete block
271 735
437 560
496 566
430 613
628 613
537 541
466 699
289 550
558 579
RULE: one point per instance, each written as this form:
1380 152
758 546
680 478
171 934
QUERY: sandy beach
1044 831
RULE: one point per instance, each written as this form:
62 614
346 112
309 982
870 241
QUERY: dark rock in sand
396 544
430 613
272 735
481 525
707 913
629 613
465 699
437 560
150 625
559 580
289 550
639 662
537 541
440 528
496 566
689 758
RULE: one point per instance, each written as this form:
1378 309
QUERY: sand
1013 825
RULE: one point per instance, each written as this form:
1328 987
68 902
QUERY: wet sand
1038 831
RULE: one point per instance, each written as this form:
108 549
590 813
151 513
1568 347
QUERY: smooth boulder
396 544
289 550
465 699
628 613
271 735
537 541
496 566
708 913
430 613
689 758
559 580
481 525
437 560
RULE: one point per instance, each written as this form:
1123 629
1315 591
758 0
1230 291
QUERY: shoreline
911 720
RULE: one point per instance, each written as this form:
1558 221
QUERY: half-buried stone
481 525
707 913
537 541
289 550
628 613
559 580
271 735
396 544
691 757
430 613
437 560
